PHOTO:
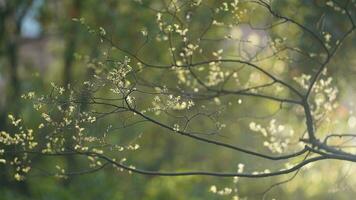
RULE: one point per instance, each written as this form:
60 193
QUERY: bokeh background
40 44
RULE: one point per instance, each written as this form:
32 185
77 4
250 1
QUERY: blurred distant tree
11 16
208 71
